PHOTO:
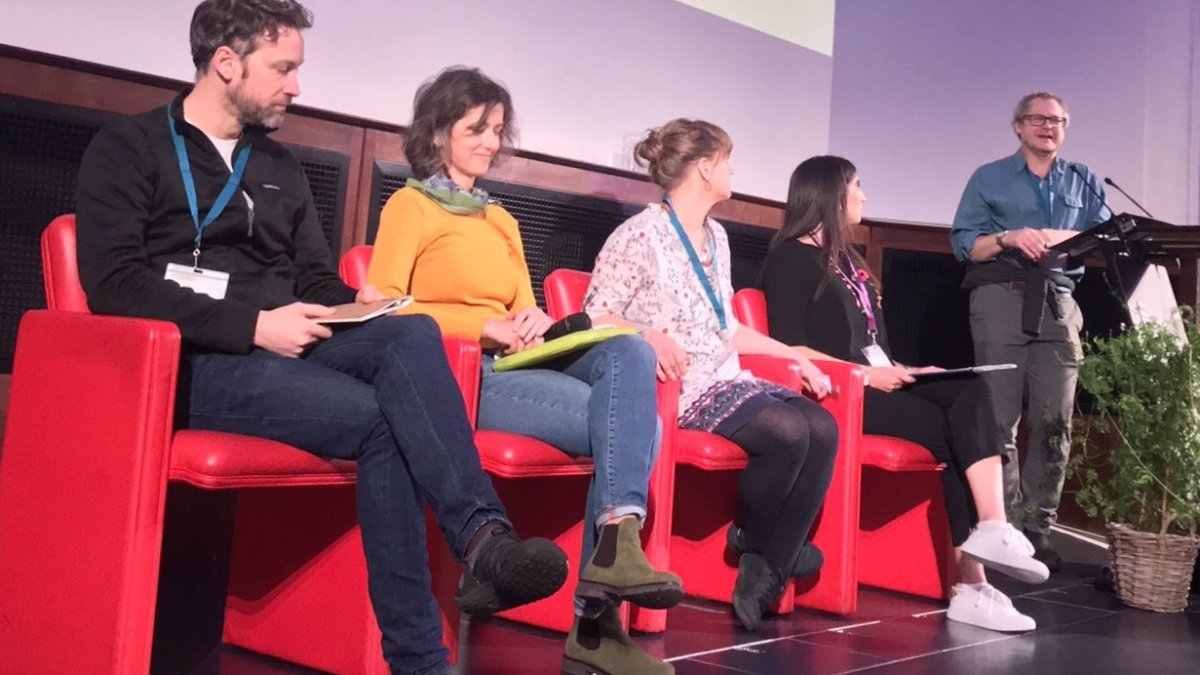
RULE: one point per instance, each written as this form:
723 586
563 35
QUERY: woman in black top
822 299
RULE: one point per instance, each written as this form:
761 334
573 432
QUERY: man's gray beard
251 113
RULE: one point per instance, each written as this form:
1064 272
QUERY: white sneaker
987 608
1000 546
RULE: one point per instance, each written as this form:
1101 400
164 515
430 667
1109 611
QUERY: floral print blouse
644 275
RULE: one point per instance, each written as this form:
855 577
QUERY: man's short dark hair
238 24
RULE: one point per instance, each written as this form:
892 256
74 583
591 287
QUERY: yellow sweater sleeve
397 244
524 297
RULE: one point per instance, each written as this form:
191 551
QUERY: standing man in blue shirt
1011 212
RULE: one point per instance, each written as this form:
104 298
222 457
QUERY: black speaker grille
927 313
327 175
41 146
563 230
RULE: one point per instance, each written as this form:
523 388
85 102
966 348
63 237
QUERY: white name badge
876 357
205 282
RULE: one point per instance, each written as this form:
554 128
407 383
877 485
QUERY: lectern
1138 252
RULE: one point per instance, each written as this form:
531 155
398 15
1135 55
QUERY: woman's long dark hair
816 201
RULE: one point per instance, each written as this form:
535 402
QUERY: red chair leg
549 507
904 542
705 502
297 569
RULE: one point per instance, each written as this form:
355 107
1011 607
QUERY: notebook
557 347
357 312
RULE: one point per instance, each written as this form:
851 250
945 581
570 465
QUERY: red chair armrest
83 476
774 368
465 361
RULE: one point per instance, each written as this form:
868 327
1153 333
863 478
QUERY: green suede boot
601 646
618 570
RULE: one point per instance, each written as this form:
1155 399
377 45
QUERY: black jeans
953 419
380 394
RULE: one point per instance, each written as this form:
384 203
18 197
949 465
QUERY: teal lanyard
189 186
1045 196
713 298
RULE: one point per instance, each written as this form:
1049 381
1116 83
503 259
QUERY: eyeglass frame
1046 120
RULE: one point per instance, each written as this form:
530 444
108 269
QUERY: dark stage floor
1080 630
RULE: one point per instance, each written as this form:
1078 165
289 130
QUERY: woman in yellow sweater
460 257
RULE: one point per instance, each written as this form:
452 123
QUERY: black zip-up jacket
132 218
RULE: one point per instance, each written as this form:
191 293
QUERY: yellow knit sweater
460 270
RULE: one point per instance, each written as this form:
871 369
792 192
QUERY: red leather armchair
706 471
544 491
89 453
904 537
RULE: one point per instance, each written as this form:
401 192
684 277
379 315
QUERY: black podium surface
1138 252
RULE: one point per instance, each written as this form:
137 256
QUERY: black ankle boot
1044 551
808 562
758 586
502 571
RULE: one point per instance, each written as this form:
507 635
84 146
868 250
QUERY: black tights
792 446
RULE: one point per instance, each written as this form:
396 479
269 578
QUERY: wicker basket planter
1152 572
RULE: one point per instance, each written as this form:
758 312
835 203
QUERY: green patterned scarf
448 195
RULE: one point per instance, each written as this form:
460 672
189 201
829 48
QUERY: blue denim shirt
1004 195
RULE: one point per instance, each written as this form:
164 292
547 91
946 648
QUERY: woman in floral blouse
666 270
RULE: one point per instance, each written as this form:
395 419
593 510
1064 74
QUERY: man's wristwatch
1000 239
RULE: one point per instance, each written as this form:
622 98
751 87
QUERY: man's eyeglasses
1044 120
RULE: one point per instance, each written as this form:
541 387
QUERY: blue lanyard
1045 197
714 299
189 186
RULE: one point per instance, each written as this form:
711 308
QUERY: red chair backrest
353 266
565 290
60 267
750 308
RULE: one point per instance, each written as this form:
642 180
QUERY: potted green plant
1143 478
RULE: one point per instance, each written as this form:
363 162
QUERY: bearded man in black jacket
190 213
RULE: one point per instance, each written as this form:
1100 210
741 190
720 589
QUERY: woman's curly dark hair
444 100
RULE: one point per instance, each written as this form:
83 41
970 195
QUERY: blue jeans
603 404
380 394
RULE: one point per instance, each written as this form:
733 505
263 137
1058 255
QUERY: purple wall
587 77
924 90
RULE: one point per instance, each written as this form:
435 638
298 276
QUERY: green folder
557 347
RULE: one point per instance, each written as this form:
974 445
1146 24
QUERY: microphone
1109 181
567 325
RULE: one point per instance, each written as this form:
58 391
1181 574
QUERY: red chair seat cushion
515 456
215 460
708 452
895 454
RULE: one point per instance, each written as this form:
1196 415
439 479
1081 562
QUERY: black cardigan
830 322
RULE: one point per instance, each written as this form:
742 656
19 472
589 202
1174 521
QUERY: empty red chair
544 491
707 467
904 536
90 450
